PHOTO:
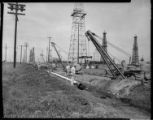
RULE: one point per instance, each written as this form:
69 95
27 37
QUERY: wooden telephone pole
26 45
16 7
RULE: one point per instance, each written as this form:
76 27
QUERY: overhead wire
114 56
119 49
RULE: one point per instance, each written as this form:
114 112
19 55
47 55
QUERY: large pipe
73 82
61 76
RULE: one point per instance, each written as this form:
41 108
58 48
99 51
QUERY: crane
130 70
53 44
111 65
78 84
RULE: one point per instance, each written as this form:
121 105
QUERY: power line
117 48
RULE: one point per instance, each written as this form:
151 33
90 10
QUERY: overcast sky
121 21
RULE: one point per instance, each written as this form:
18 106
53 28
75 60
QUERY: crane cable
57 46
113 56
119 49
62 49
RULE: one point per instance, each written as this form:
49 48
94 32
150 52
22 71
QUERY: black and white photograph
76 59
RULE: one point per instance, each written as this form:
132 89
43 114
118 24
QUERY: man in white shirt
73 70
68 70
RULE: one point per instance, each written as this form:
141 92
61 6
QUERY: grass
30 93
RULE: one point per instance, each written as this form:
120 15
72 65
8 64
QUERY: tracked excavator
115 71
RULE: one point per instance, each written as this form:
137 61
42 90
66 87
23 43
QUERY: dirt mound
122 88
98 72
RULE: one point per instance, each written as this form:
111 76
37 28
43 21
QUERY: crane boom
103 53
53 44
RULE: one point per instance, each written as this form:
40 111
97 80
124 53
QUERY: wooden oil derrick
135 56
32 56
78 45
25 53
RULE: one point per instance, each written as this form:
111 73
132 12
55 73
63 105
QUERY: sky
121 22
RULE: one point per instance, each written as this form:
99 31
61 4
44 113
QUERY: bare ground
30 93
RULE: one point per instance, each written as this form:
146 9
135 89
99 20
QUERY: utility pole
6 53
46 53
33 54
16 7
42 55
26 45
49 49
78 44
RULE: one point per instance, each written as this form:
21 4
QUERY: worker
87 67
68 70
53 66
73 71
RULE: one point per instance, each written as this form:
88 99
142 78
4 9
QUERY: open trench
121 106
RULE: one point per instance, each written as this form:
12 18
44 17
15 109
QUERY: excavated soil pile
127 90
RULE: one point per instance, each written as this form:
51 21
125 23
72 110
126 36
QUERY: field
31 93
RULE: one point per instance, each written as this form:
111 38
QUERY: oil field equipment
108 60
78 40
53 44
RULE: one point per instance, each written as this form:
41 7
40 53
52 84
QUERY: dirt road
34 93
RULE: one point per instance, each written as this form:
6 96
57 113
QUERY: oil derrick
42 57
32 56
135 56
78 47
96 55
24 57
104 44
25 53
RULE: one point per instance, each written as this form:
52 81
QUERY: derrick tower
104 43
78 47
32 56
135 56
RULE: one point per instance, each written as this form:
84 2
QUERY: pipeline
73 82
